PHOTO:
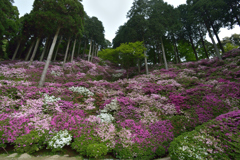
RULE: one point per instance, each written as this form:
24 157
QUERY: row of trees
176 34
51 27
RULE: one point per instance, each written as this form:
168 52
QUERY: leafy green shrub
161 151
80 144
30 143
196 145
96 150
134 151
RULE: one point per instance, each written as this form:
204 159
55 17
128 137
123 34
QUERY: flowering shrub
105 117
81 90
58 141
107 133
195 145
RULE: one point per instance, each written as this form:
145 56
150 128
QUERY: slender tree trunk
164 55
203 44
34 51
44 50
16 50
175 51
179 60
73 49
79 46
194 50
42 80
84 50
29 51
159 54
213 41
145 59
219 42
96 50
90 50
65 57
57 49
93 47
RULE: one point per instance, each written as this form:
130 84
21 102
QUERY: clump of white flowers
105 117
50 103
56 74
117 75
50 99
58 141
113 106
81 90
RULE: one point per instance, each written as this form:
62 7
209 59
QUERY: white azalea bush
111 107
50 103
82 90
106 117
57 142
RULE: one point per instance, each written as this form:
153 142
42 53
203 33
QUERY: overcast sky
112 13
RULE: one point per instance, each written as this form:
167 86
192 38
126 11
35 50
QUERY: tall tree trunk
175 51
90 50
34 51
16 50
57 49
203 44
85 46
213 41
145 59
216 34
164 55
93 47
65 57
79 46
194 50
42 80
179 60
96 50
44 50
73 49
29 51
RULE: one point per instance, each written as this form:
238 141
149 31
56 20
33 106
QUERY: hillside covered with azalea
190 111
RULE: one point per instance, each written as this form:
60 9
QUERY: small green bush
134 152
96 150
80 144
30 143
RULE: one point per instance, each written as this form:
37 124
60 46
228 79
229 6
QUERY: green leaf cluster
96 150
30 143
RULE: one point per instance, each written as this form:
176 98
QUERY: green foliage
30 143
195 145
2 144
4 48
134 151
97 150
80 144
161 151
229 46
109 54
